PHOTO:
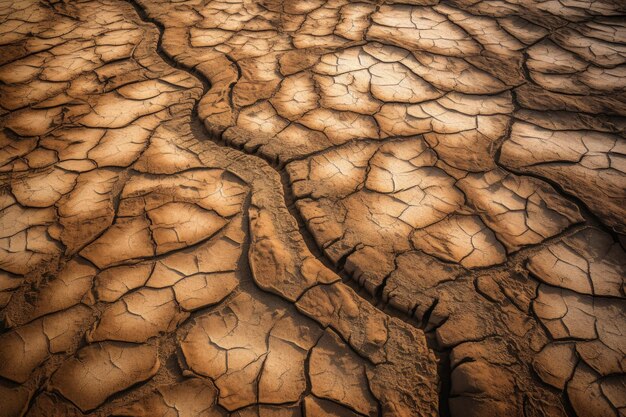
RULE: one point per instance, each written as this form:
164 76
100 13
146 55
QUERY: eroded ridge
462 162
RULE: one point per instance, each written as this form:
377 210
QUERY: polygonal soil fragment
26 347
340 377
253 352
191 398
589 262
138 316
101 370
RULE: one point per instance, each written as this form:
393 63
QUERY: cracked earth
313 208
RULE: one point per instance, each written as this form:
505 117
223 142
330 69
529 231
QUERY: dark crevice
444 371
202 133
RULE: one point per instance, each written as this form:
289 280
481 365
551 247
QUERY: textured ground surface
313 208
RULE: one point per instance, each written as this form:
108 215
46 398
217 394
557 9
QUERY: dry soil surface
309 208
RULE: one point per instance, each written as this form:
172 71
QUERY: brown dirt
312 208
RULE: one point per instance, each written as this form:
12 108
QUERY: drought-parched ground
313 208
